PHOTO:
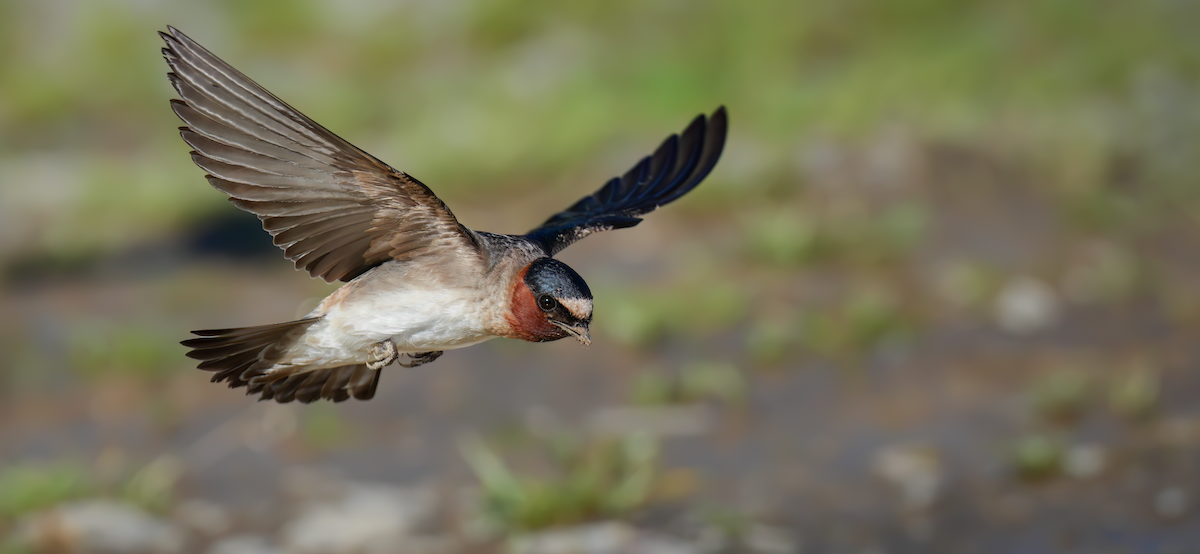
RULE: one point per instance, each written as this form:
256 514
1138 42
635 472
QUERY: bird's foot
382 354
421 358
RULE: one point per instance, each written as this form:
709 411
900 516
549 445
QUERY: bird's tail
246 356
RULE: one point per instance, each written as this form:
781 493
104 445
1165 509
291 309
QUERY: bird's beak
579 331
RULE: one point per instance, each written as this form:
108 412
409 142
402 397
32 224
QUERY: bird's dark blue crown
550 276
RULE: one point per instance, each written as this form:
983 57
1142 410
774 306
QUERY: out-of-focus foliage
500 98
27 487
943 194
106 351
589 478
696 382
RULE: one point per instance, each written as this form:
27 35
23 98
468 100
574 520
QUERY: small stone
1085 461
100 527
202 516
1026 305
365 517
915 470
601 538
762 539
1171 502
311 485
656 543
712 538
418 545
596 538
244 544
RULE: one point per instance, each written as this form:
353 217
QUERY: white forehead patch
581 308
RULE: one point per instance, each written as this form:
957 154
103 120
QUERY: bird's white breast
416 315
416 320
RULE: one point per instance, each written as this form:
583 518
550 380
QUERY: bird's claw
421 358
382 354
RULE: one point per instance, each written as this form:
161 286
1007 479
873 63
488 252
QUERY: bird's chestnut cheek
527 320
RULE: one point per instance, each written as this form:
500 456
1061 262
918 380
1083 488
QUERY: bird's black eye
547 302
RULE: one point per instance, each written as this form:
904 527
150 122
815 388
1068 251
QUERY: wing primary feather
333 209
241 89
689 148
248 118
278 224
641 179
289 208
677 166
312 229
236 155
211 126
222 115
663 158
629 183
255 95
714 144
257 177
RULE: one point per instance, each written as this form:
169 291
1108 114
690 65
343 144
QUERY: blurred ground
939 295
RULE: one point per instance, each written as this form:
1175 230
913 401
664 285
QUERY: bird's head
550 302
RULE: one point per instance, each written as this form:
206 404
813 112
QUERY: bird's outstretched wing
678 165
335 210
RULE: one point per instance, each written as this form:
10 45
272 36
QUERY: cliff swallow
418 282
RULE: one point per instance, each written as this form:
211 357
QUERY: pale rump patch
581 308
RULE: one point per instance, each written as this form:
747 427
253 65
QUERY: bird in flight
417 282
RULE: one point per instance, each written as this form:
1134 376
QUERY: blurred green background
939 292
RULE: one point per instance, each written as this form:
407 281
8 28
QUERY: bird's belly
416 321
437 333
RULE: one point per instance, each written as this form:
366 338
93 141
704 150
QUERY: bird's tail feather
245 357
332 383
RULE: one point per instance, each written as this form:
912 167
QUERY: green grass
98 351
644 317
1063 399
1037 456
1066 395
152 486
1134 393
966 285
542 96
859 322
794 237
581 479
769 340
1061 394
322 427
31 486
694 382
